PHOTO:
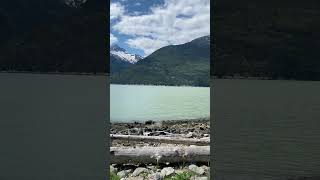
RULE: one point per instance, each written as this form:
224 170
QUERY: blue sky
143 26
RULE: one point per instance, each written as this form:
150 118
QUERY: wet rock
167 171
146 129
138 171
196 169
149 122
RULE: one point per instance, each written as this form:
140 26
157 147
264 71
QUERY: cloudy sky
143 26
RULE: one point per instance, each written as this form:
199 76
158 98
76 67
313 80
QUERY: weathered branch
120 155
167 140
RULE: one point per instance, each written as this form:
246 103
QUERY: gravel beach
195 128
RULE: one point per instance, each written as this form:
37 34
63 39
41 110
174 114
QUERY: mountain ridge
178 65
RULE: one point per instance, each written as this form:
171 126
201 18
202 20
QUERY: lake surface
130 103
266 129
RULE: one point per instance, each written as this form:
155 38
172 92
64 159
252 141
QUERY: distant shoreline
56 73
158 85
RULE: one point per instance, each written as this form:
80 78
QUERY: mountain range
185 64
120 59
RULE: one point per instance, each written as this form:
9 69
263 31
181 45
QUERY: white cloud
148 45
137 4
116 10
174 22
113 39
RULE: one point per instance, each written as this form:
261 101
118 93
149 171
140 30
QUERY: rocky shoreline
195 128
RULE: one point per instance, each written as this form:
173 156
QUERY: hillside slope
186 64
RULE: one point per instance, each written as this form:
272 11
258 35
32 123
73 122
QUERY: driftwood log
162 154
159 139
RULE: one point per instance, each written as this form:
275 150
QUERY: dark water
266 129
52 127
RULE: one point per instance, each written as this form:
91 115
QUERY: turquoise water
130 103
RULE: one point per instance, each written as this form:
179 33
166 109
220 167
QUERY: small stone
138 171
206 135
167 171
196 169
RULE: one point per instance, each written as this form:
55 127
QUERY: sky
143 26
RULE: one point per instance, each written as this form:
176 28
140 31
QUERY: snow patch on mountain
121 54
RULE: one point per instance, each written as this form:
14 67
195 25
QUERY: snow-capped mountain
120 53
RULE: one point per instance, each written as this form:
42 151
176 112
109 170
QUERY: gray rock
156 176
196 169
138 171
190 135
153 168
167 171
113 169
124 173
205 168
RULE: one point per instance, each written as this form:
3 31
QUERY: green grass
113 176
181 176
